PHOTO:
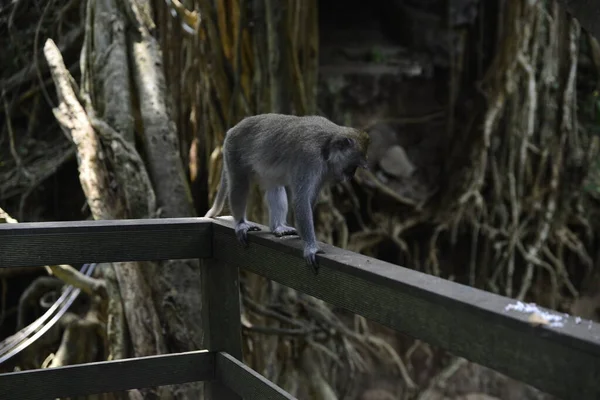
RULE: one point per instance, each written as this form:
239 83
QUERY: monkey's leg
304 220
278 208
238 195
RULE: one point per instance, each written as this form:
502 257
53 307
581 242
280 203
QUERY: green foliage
377 56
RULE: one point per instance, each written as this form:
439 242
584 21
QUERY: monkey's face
350 170
346 157
348 173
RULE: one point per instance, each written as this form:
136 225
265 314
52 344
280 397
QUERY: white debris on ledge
541 317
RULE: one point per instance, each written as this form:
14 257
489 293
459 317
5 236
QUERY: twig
473 255
373 180
441 378
190 20
531 110
41 164
11 138
71 276
325 350
527 279
410 384
278 331
432 259
35 54
559 269
270 313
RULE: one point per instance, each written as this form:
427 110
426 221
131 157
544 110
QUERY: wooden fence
561 358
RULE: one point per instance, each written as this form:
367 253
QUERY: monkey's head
347 152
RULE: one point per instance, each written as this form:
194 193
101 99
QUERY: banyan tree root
538 130
313 328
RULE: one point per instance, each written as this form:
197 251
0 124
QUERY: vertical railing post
222 325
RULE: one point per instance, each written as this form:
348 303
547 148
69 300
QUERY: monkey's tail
220 198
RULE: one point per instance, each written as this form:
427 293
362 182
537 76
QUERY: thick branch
105 73
74 122
71 276
161 143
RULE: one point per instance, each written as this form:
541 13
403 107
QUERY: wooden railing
561 358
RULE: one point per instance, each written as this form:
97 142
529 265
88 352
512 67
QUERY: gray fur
301 153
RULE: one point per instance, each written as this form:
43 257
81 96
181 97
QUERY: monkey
301 153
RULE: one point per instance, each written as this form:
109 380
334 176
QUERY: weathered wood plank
34 244
246 382
222 319
108 376
564 361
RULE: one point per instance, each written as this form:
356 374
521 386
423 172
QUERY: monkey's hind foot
284 230
242 229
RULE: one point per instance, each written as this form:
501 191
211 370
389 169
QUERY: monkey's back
273 146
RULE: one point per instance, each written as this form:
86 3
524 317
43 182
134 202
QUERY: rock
382 138
395 162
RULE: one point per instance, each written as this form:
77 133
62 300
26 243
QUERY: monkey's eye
344 143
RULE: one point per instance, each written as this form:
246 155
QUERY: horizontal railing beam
78 242
245 382
471 323
108 376
563 360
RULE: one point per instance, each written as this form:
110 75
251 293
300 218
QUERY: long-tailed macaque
301 153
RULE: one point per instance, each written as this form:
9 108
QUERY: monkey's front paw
284 230
242 229
310 255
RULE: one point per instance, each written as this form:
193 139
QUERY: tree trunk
161 300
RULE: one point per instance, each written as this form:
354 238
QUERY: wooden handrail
482 327
108 376
137 373
561 357
78 242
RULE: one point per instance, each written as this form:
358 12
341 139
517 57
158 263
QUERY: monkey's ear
343 143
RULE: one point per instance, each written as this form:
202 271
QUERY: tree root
70 276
